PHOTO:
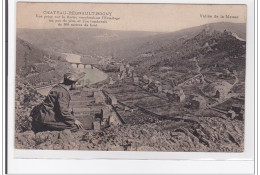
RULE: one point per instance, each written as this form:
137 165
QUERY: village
127 98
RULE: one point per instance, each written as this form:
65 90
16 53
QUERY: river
92 76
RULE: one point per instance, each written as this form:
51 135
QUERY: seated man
54 114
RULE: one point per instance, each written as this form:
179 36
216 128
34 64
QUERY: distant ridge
122 44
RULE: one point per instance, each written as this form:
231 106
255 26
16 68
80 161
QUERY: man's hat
71 77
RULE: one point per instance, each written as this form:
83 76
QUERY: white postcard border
30 162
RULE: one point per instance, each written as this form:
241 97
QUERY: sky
132 17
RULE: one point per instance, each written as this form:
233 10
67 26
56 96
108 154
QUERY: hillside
121 44
27 55
159 41
185 91
37 66
85 41
210 52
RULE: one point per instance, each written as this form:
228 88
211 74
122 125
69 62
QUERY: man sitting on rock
54 113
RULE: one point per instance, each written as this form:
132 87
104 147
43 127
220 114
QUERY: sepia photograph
130 77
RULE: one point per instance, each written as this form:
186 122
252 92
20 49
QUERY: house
241 115
231 114
178 90
123 75
218 89
179 98
114 120
145 87
150 80
198 102
158 85
136 80
105 112
178 95
152 87
99 97
237 108
159 88
145 79
111 81
165 89
96 124
169 93
122 68
130 71
111 99
118 77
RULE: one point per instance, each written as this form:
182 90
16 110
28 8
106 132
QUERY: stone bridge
84 64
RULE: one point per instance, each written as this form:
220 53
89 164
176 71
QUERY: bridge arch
81 64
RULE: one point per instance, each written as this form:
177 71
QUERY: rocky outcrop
25 99
184 135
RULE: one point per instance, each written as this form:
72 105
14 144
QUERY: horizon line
126 30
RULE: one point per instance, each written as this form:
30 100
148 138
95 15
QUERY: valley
180 91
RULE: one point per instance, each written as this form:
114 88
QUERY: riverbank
92 74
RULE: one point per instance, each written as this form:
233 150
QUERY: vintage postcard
130 77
